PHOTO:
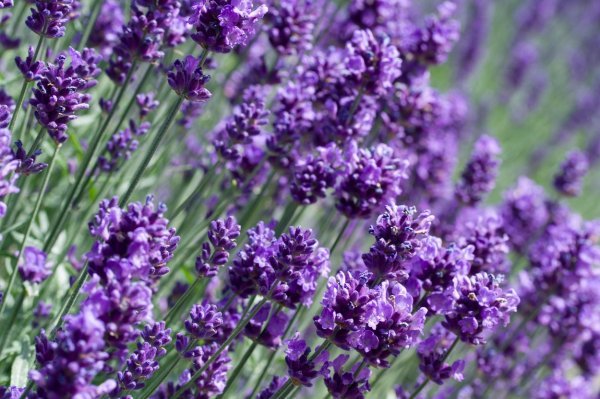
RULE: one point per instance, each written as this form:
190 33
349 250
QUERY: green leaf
20 366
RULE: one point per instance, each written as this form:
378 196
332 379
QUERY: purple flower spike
146 102
479 176
143 362
222 25
373 179
375 62
68 365
27 165
291 25
399 235
6 4
481 306
221 236
432 352
313 175
121 145
58 95
301 370
49 17
34 268
204 321
569 179
187 80
29 69
345 384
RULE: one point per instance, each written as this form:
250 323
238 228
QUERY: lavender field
277 199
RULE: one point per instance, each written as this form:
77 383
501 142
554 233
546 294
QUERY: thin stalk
94 12
297 313
38 48
197 192
86 162
288 214
239 368
150 153
11 322
339 237
36 209
153 383
37 141
286 388
424 383
220 350
68 304
248 353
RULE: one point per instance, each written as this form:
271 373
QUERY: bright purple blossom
222 25
221 241
49 17
31 70
34 267
569 178
187 80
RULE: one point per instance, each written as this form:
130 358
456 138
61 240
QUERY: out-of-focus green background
520 130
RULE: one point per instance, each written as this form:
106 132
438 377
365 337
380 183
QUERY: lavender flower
301 370
374 62
523 212
146 102
58 95
49 17
481 306
313 175
479 176
398 237
121 145
345 384
105 34
27 164
8 164
204 321
143 362
373 178
31 70
68 365
187 80
250 269
221 236
295 267
569 179
489 242
130 243
291 25
34 268
273 330
222 25
6 4
432 353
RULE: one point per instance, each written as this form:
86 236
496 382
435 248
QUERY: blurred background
529 71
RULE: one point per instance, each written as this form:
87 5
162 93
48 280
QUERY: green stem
86 162
37 141
13 120
11 322
297 313
36 209
74 293
197 192
424 383
288 214
94 12
339 237
150 153
221 348
238 368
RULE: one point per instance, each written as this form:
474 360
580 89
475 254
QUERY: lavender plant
292 198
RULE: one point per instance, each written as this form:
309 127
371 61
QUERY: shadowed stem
424 383
32 218
150 153
86 162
